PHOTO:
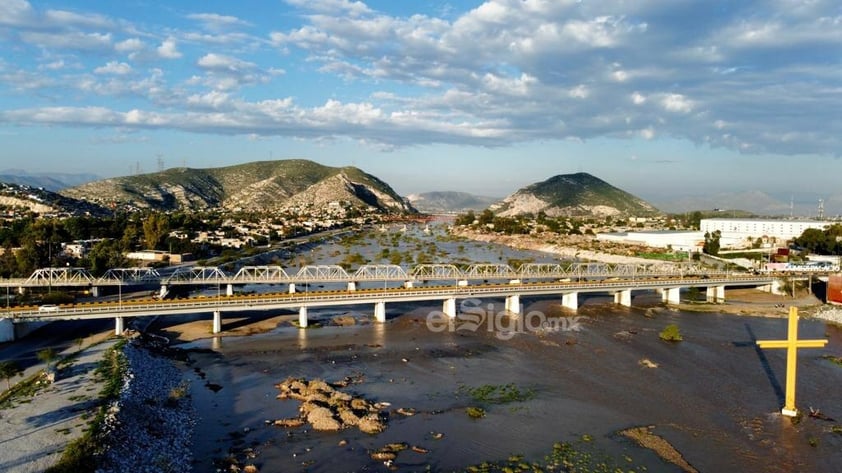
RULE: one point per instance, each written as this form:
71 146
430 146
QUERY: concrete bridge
424 283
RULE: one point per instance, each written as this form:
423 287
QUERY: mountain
16 196
258 186
51 181
449 201
579 194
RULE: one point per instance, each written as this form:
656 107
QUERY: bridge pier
292 288
302 317
409 284
715 294
570 301
94 291
21 290
380 311
7 330
449 307
462 283
229 290
513 304
352 286
671 295
119 326
773 288
163 292
217 321
623 298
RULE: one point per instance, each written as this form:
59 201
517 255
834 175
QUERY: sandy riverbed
714 396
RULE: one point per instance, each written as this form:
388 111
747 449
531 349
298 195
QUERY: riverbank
566 246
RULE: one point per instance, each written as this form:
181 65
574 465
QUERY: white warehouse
734 229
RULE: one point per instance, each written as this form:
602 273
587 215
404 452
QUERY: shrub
671 333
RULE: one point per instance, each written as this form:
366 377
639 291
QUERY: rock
250 469
417 449
289 423
359 404
383 456
343 443
348 418
406 411
648 363
321 418
371 424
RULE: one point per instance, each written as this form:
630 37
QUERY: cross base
789 412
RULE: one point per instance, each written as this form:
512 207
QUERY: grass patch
23 391
671 333
475 412
579 458
80 455
497 393
836 360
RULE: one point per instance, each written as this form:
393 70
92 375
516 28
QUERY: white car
48 308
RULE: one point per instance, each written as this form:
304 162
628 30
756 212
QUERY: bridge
437 282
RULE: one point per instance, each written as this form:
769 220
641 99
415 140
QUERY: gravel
149 429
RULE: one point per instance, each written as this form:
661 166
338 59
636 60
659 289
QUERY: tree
711 245
8 370
47 355
155 227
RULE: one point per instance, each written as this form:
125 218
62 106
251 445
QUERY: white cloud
217 22
677 103
129 45
114 67
168 49
503 72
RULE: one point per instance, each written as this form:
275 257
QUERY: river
714 396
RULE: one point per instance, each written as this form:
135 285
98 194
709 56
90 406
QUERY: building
691 242
747 230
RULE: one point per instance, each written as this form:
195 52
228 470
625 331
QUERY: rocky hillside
449 201
579 194
258 186
15 197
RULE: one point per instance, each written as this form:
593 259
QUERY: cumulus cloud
168 49
114 67
757 77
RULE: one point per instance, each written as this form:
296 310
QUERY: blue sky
667 100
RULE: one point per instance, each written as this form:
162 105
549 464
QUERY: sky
666 100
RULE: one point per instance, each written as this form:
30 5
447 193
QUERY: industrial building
750 229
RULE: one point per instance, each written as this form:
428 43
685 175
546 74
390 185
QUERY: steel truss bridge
204 275
420 283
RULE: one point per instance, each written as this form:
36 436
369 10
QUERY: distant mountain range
42 201
259 186
51 181
579 194
756 202
449 201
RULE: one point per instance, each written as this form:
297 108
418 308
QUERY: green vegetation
80 454
825 242
564 457
475 412
497 394
8 370
837 360
671 333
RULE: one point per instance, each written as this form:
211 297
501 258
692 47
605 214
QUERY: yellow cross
792 344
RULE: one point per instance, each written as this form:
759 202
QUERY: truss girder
199 274
261 273
437 271
132 275
61 276
380 272
330 272
491 271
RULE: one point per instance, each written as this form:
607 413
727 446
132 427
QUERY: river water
714 396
